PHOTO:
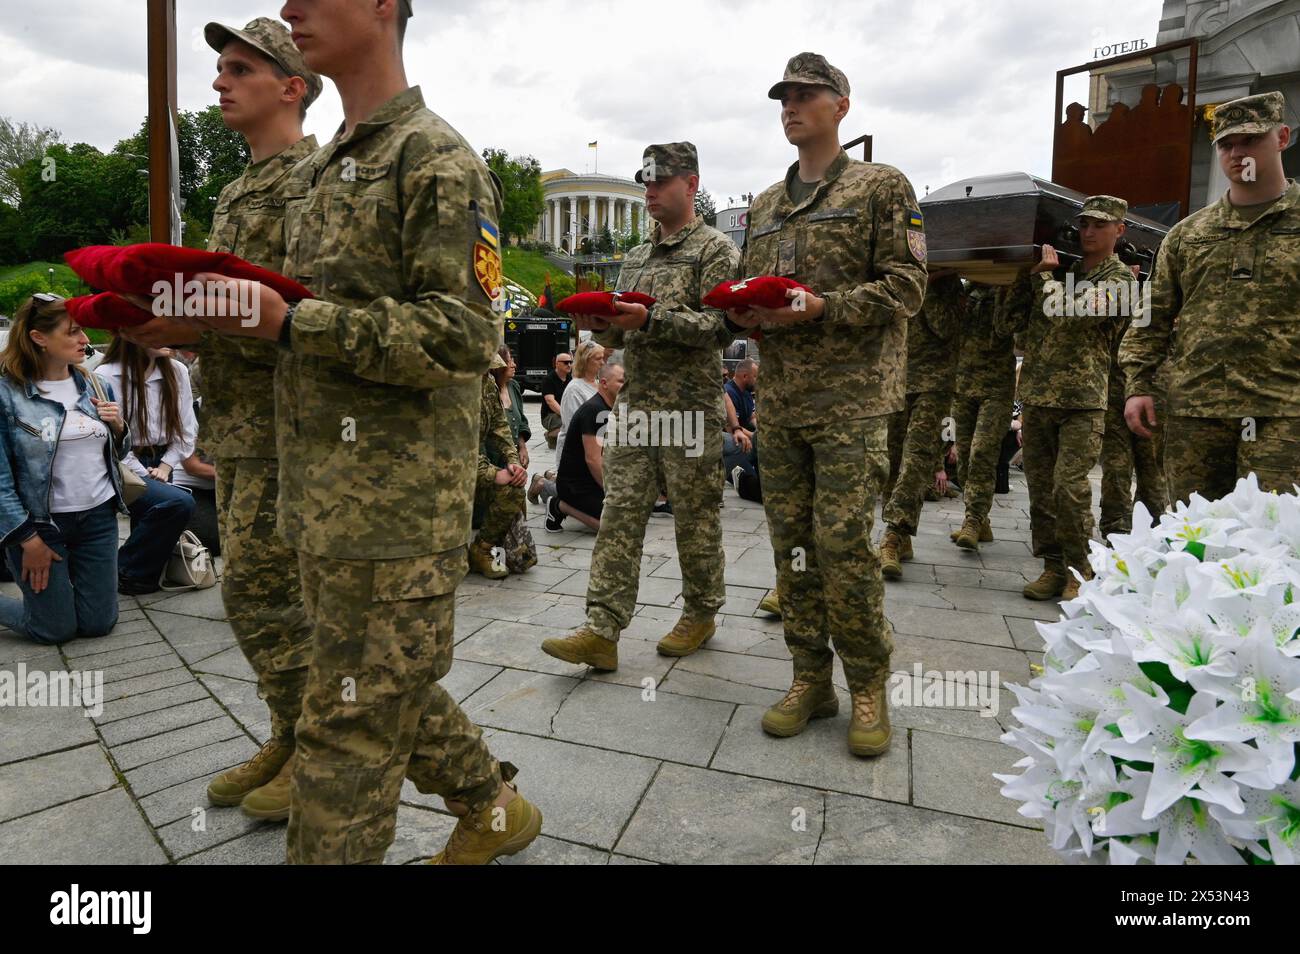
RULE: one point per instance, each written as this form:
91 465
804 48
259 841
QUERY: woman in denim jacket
60 487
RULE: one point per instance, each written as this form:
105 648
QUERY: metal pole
162 116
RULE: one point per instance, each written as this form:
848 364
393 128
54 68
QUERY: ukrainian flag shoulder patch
914 220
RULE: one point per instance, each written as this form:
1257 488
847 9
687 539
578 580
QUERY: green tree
604 241
705 207
74 196
629 240
209 157
19 144
521 186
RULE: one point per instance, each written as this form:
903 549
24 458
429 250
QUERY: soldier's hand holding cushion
160 332
590 323
224 313
804 306
1049 261
631 316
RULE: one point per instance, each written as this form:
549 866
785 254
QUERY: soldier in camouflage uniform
833 373
1124 455
981 408
263 602
673 356
1230 275
1066 336
931 359
496 504
393 225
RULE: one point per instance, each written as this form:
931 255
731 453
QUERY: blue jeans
81 596
158 518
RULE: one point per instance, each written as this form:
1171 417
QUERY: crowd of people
369 446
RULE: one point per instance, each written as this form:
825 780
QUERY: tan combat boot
484 562
891 566
229 788
1072 585
686 637
968 537
585 648
270 802
1049 585
771 603
986 531
479 837
905 547
804 701
869 730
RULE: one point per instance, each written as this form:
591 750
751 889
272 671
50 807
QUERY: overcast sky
949 90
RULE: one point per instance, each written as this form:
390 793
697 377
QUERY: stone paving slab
29 731
35 784
103 829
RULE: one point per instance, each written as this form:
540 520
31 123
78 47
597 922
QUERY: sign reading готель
1118 49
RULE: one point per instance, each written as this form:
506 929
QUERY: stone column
556 215
592 224
573 224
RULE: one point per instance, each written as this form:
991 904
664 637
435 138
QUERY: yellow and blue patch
488 232
914 220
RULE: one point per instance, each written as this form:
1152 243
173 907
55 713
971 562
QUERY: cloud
947 90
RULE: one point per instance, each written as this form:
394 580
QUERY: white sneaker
735 476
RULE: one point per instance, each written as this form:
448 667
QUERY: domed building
579 206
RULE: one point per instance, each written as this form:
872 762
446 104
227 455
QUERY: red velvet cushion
106 311
136 268
765 291
601 304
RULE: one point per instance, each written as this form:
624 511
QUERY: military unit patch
916 244
487 269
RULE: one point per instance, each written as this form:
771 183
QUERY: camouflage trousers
634 478
374 714
260 587
820 485
1206 455
1123 454
495 507
914 458
981 422
1061 447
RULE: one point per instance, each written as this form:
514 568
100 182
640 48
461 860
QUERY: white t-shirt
576 393
183 446
79 479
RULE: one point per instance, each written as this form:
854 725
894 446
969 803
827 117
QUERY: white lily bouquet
1166 720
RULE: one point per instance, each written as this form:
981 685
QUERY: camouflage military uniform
1063 387
259 585
378 403
828 388
1234 363
674 365
931 358
495 505
985 389
1124 454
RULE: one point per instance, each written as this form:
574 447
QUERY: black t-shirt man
574 483
555 388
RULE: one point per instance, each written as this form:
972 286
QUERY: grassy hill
530 270
19 282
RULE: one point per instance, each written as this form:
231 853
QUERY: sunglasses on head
47 297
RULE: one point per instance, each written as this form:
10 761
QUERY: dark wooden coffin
990 227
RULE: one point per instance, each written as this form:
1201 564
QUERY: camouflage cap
272 39
810 68
496 362
1105 207
668 159
1249 115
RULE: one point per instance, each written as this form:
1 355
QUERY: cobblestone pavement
684 776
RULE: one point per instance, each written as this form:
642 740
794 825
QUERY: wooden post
164 198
